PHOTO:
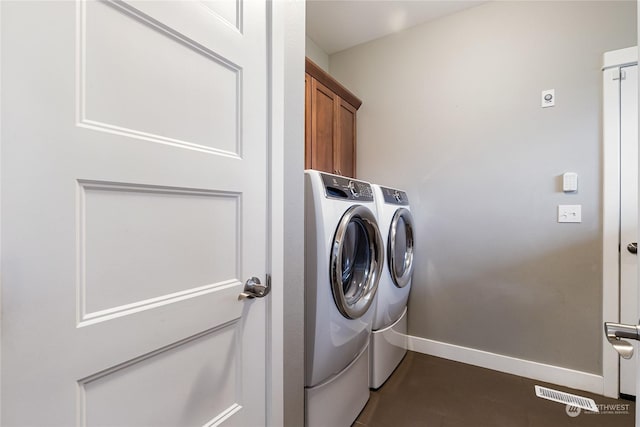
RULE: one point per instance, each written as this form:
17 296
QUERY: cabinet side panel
307 121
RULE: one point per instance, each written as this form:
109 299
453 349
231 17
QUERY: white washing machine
344 255
389 338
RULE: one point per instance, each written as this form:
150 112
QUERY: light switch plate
569 213
570 182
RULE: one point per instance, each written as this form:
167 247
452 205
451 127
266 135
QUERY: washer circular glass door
357 255
400 247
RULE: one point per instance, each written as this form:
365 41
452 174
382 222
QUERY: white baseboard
510 365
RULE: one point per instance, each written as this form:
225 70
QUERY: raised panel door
129 219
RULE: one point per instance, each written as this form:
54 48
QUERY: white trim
275 307
610 227
286 189
612 62
1 288
620 57
525 368
286 97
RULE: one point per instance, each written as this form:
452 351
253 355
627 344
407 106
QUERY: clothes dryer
344 256
389 336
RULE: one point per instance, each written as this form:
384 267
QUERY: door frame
285 308
611 210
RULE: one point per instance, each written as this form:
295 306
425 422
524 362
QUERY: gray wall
316 54
451 113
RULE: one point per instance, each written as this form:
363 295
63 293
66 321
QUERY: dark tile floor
433 392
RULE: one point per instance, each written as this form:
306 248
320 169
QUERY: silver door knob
615 331
254 289
633 247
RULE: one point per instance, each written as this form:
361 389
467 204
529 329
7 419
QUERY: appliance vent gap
566 398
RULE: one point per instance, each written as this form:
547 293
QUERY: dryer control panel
394 197
339 187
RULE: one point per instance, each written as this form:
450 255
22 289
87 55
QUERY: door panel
628 217
135 228
129 221
154 95
122 397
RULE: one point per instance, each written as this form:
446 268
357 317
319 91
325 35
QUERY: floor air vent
566 398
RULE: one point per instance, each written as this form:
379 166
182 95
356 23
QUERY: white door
134 181
628 216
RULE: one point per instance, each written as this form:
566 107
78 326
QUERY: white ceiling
336 25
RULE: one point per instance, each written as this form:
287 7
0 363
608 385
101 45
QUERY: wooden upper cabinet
330 124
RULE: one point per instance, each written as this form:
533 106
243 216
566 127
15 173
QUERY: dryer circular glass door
357 255
400 247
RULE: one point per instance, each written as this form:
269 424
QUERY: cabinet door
323 126
345 144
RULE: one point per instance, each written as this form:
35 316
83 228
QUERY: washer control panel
394 197
340 187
